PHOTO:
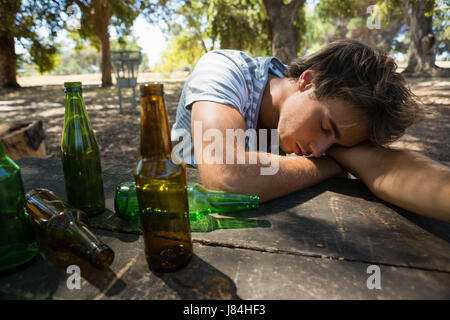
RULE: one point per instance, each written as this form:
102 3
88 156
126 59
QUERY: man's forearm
294 173
404 178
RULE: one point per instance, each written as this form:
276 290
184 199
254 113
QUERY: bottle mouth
72 86
254 200
152 89
102 256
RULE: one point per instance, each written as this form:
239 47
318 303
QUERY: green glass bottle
209 223
17 241
161 188
62 226
80 155
201 201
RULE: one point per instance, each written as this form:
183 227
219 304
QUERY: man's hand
404 178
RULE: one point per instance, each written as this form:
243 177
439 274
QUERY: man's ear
305 81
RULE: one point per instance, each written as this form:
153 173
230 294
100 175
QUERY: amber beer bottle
80 155
62 226
161 188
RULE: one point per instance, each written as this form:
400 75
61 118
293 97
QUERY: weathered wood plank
337 218
219 273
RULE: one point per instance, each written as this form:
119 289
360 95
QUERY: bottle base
92 212
16 257
169 259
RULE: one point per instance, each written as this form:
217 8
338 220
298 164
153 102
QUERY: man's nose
320 146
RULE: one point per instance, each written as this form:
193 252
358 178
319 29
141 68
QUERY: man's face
309 126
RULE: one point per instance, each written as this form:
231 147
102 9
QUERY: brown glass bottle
161 188
65 227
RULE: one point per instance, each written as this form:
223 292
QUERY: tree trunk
282 17
101 15
8 61
422 49
23 139
8 58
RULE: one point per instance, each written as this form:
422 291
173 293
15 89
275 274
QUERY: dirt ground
118 134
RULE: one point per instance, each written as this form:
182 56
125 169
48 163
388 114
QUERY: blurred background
60 37
44 43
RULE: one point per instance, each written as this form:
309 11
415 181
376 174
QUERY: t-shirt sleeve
217 78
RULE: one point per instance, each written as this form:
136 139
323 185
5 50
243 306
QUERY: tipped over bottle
65 227
201 201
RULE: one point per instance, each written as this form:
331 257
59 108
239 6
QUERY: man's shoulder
239 58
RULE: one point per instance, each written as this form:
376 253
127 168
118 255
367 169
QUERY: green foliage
203 25
85 59
197 26
342 9
122 15
441 27
70 61
317 32
181 53
239 24
349 19
43 56
26 20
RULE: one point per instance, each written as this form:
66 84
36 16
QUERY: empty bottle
161 188
201 201
80 155
65 227
17 241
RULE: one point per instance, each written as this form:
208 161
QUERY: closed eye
325 129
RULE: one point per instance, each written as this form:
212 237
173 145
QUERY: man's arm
404 178
294 173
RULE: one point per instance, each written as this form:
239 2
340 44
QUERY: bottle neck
73 234
155 131
227 202
74 103
233 202
2 153
65 226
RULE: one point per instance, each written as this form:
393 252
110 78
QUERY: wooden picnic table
319 245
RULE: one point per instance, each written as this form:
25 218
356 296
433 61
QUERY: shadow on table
111 222
438 228
348 187
47 275
200 281
356 188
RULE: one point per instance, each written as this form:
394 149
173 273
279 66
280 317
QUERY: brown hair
353 71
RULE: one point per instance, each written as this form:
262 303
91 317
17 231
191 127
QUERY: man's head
347 92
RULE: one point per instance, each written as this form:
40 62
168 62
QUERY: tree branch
294 7
81 5
268 5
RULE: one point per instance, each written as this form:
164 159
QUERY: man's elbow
223 179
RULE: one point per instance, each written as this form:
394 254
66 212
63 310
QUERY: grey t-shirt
228 77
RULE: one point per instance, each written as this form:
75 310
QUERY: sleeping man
257 126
